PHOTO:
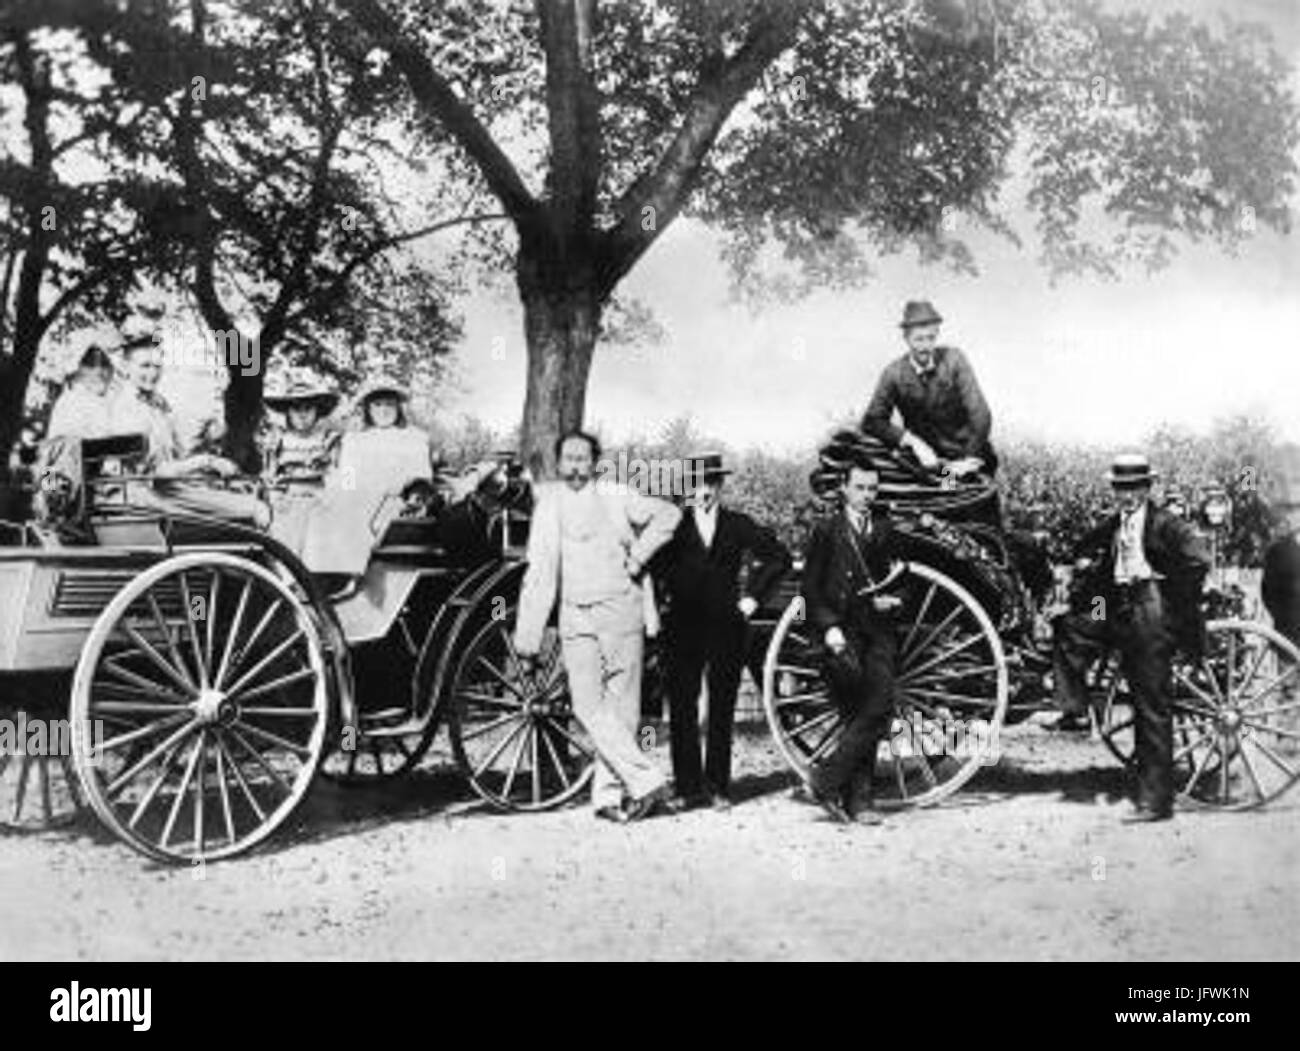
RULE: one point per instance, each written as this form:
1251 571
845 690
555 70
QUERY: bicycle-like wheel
208 675
1236 718
952 690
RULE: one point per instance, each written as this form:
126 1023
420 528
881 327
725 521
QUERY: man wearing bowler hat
1151 569
943 412
706 625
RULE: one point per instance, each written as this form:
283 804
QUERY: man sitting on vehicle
944 414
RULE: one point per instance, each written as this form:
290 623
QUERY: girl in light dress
83 409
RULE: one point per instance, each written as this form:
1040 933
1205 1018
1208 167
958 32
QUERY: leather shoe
832 804
644 806
1143 815
1071 722
612 813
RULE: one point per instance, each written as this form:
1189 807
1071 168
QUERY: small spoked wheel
199 707
512 730
951 692
1236 714
38 785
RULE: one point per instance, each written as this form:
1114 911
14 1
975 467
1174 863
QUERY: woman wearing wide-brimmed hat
306 449
388 454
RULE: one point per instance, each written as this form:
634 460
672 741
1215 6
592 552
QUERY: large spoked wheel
206 678
38 785
513 731
951 698
1236 718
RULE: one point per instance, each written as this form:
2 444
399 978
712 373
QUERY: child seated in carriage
299 456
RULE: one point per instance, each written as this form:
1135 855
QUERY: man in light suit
588 546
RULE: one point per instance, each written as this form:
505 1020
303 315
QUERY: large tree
69 246
272 137
831 130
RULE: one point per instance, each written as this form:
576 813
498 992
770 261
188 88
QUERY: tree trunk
561 320
15 374
243 411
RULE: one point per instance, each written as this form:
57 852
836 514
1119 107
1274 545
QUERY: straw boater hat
384 383
1128 470
705 467
302 390
919 312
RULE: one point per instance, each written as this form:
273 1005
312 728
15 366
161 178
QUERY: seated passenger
82 410
299 456
388 455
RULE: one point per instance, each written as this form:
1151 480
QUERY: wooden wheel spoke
1277 680
564 732
1198 769
815 721
241 780
164 629
1251 773
1280 731
500 676
275 713
256 635
143 731
232 636
1275 759
491 700
944 656
555 755
187 613
1261 652
823 746
1181 674
260 759
140 708
905 657
479 731
277 684
802 698
128 775
146 686
1204 736
944 695
500 747
143 804
275 654
224 789
957 675
210 636
178 679
182 789
518 759
920 618
275 739
1276 709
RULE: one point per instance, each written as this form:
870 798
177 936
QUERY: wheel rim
1236 715
952 690
213 720
37 792
514 734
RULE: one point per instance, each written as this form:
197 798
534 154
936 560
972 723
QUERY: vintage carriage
975 656
211 675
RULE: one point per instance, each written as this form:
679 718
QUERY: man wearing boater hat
706 625
943 411
1151 570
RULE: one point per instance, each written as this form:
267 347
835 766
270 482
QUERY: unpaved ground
1031 861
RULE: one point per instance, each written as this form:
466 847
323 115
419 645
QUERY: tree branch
652 202
573 110
330 293
435 96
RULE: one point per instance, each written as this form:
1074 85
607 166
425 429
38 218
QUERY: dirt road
1030 861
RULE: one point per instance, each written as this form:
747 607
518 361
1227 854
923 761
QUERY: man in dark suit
1280 586
942 410
848 552
1150 575
706 626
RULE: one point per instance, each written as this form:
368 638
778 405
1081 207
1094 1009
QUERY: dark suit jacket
1174 551
833 572
703 583
946 408
1280 587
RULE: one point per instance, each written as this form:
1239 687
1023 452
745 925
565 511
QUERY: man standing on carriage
588 546
1151 567
943 411
849 555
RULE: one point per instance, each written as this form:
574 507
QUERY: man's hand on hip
835 640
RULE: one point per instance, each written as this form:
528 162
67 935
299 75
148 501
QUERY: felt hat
302 390
919 312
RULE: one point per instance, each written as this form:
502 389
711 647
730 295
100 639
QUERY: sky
1086 361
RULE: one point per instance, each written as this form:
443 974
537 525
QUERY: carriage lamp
1216 507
